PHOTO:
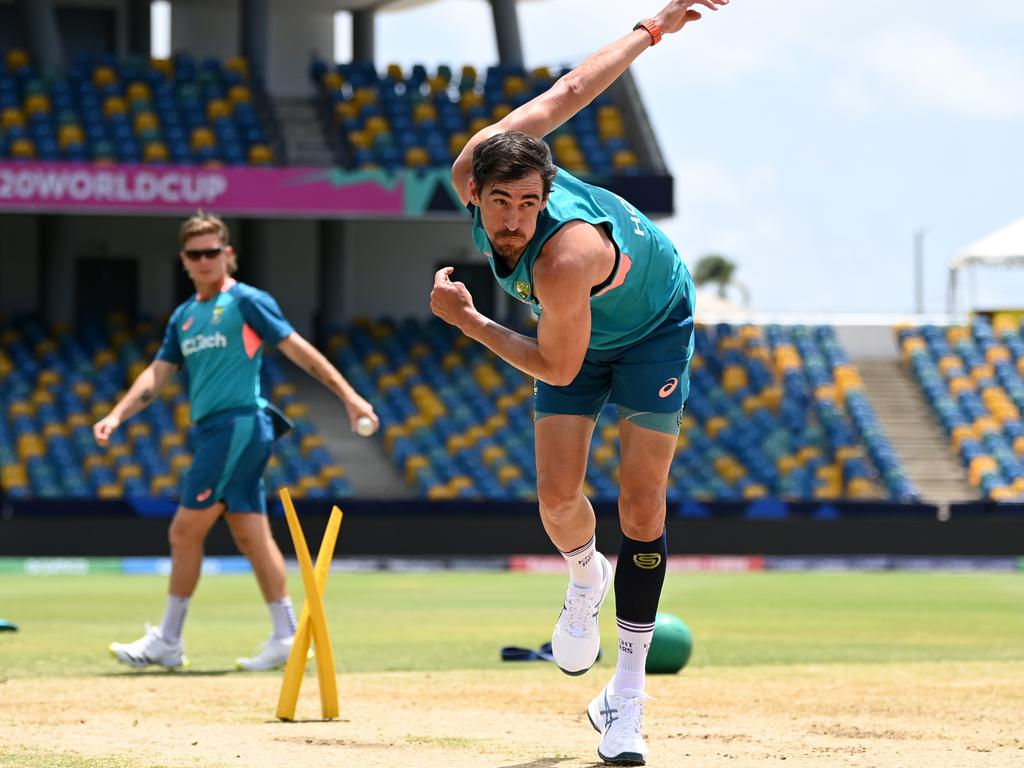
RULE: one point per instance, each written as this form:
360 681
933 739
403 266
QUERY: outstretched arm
546 112
141 393
311 360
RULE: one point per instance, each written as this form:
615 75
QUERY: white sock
174 618
283 617
584 566
634 642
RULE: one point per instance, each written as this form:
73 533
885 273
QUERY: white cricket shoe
576 641
273 655
619 719
150 649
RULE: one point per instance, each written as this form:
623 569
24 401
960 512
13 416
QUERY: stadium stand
418 120
972 378
775 412
55 383
135 110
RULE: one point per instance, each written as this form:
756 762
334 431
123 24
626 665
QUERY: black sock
639 576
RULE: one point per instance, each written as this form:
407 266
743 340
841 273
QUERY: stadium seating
55 383
774 412
133 110
973 378
417 120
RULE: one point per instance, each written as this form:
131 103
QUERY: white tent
1002 248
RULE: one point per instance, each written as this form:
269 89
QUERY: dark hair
510 156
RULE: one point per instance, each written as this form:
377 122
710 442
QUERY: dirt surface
528 716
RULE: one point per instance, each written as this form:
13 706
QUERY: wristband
652 29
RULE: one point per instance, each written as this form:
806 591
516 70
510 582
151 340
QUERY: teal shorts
651 375
231 450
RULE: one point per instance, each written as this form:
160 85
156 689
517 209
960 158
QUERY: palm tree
715 269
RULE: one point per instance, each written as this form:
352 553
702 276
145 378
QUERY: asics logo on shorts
648 561
204 495
668 387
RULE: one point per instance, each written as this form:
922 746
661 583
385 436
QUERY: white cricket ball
364 426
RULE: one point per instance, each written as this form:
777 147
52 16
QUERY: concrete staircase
367 468
301 135
915 435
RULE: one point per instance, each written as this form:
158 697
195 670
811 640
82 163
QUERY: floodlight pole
919 271
506 29
363 43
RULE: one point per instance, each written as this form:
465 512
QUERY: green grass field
441 621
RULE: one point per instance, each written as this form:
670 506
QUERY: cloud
939 72
850 95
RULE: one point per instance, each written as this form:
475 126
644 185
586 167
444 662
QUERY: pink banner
57 187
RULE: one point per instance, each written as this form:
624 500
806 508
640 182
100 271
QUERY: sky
809 141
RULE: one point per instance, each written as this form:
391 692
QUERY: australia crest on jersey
523 290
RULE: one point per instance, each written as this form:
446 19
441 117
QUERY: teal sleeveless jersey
219 342
649 278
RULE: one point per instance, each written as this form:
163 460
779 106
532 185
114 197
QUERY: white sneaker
149 649
576 641
273 655
619 719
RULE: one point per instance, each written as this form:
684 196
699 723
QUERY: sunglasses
195 254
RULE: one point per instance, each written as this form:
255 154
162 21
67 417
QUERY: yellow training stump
312 619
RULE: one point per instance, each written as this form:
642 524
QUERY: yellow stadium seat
110 491
979 466
68 134
103 76
139 429
260 154
216 109
332 472
163 66
394 71
12 118
145 121
477 124
37 104
332 81
203 137
416 157
412 464
155 152
715 425
13 475
114 105
471 99
126 471
508 473
541 73
500 112
16 59
424 111
360 139
239 65
138 92
23 149
514 86
182 416
363 96
624 159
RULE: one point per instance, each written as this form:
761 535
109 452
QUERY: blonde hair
204 223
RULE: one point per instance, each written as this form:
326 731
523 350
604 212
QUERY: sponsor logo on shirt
202 342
